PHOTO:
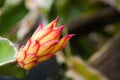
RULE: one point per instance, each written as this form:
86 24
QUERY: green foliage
117 4
2 3
7 59
7 51
11 69
69 9
85 48
86 72
11 14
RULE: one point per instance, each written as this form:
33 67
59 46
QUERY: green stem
68 48
68 52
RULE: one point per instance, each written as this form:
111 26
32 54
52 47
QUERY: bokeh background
93 54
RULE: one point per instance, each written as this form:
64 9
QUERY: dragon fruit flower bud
42 45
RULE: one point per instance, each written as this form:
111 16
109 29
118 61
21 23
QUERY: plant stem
68 48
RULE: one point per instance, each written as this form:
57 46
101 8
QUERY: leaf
11 15
12 70
1 3
7 59
7 51
117 2
83 70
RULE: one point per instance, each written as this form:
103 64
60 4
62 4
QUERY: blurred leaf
11 14
81 69
69 9
117 4
2 3
117 27
7 51
7 57
85 48
12 70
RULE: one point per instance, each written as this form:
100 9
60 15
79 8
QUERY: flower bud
42 45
